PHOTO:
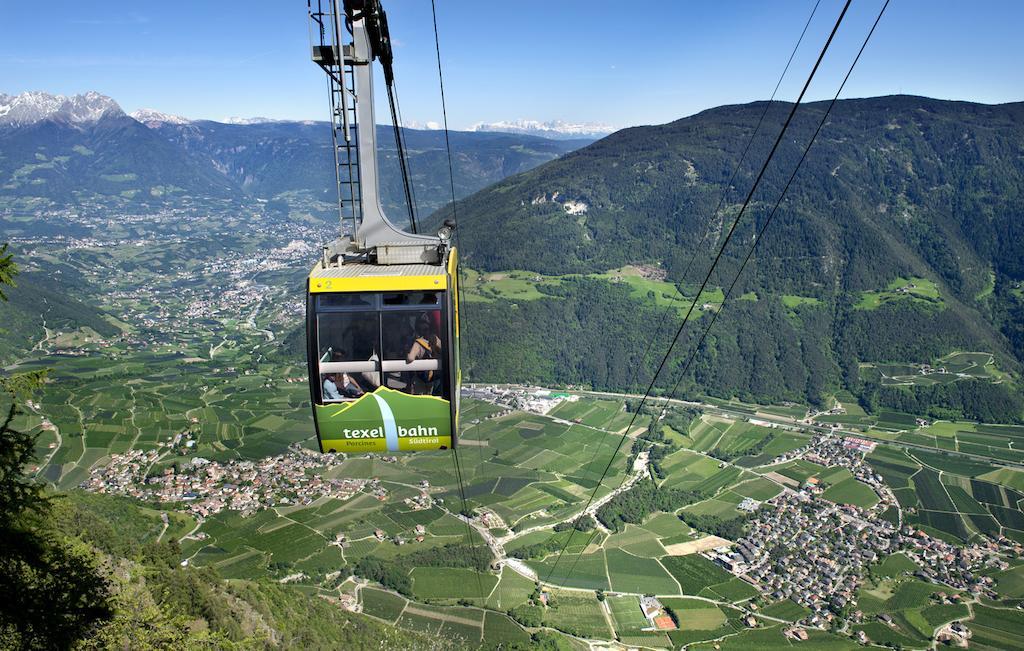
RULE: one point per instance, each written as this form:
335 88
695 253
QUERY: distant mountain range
555 129
32 107
70 150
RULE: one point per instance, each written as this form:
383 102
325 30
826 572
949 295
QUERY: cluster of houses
811 551
816 552
207 487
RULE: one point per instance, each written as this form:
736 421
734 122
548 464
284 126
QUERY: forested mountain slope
901 240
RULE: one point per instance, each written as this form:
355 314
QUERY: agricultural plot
998 442
997 628
852 491
575 570
895 565
666 525
451 583
1010 581
686 469
464 623
908 601
901 289
381 604
695 573
638 541
952 506
734 590
799 470
512 590
705 432
509 285
695 614
722 506
740 437
577 614
626 613
726 476
501 630
792 411
630 573
783 442
895 420
603 414
786 609
895 467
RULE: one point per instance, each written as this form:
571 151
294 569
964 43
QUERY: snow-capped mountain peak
152 118
249 121
35 106
556 129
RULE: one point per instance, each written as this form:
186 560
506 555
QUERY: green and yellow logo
385 421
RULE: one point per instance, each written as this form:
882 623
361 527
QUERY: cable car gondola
382 313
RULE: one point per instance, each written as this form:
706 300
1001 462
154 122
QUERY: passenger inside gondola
425 346
390 339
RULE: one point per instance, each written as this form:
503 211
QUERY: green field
630 573
577 615
900 289
626 613
451 583
852 491
381 604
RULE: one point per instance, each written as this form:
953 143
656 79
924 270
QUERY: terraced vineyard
527 472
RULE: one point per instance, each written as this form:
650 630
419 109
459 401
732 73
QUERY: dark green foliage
476 557
55 594
965 399
113 525
164 605
585 523
644 498
763 354
731 529
527 615
388 574
8 270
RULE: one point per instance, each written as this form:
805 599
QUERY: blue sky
574 60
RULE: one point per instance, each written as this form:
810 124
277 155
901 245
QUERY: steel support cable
463 305
455 219
761 232
775 207
707 278
671 395
750 141
405 145
465 520
707 231
399 145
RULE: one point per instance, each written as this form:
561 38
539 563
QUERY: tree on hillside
54 594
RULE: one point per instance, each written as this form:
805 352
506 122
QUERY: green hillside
900 241
40 300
